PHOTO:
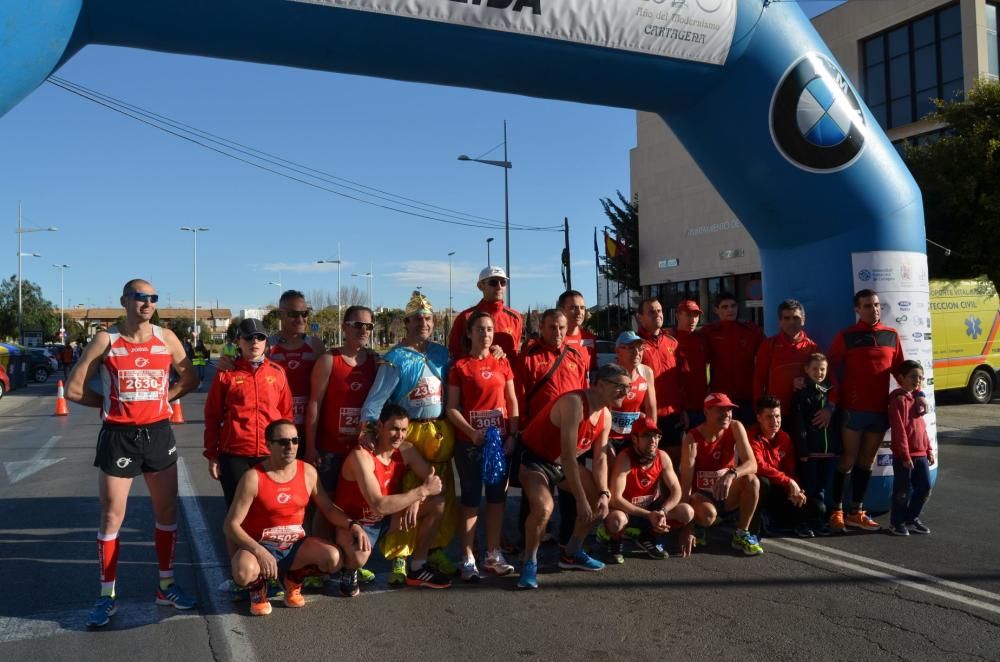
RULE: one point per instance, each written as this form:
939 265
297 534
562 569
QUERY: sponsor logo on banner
904 305
816 118
698 30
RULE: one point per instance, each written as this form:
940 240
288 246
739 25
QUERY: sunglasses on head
255 337
286 441
302 314
368 326
497 282
145 298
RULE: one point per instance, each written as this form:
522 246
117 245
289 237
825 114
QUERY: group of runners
756 427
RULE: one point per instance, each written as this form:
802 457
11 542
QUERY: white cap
492 272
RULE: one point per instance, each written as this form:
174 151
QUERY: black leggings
231 469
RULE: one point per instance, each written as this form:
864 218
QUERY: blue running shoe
746 542
173 596
529 575
103 610
580 561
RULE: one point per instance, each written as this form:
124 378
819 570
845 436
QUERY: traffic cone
62 409
177 415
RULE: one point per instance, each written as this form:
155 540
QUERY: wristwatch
603 493
732 470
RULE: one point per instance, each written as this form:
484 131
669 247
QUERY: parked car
40 365
4 381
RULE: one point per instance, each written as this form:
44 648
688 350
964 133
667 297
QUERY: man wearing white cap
507 322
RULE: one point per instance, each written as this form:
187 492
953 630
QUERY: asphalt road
858 597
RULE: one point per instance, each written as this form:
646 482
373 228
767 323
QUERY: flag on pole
611 246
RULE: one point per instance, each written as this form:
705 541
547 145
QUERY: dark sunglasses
619 387
302 314
145 298
497 282
255 337
368 326
286 441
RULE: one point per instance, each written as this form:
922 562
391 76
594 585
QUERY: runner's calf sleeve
107 561
839 486
859 486
165 541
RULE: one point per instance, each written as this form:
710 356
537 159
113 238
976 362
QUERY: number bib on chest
350 418
706 480
299 408
482 419
282 537
140 385
621 421
426 393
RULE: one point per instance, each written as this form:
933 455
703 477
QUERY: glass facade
907 66
992 41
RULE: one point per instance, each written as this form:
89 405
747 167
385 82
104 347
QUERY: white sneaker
497 564
469 572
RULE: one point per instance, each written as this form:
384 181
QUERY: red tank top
390 479
623 417
277 512
298 365
340 411
714 459
642 484
542 437
135 378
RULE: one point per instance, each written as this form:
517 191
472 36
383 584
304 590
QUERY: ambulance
965 319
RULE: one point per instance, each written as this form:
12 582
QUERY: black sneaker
349 583
899 530
616 552
427 578
652 549
916 526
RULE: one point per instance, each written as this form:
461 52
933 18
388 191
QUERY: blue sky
118 190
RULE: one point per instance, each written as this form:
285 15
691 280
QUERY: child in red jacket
911 453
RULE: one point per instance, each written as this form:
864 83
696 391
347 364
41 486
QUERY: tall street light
506 165
370 275
340 310
21 230
451 307
194 297
62 306
489 262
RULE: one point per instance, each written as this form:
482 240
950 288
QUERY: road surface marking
230 625
131 614
23 468
813 551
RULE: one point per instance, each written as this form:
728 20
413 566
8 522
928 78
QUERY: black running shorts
125 451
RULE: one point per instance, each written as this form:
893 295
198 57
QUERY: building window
992 42
907 66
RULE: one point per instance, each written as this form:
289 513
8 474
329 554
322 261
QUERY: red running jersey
642 484
390 479
298 365
714 458
624 416
135 378
584 342
340 411
866 356
483 384
277 512
542 436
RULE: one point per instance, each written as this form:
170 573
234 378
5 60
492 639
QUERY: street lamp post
370 275
506 165
451 307
21 230
62 306
489 262
340 310
194 296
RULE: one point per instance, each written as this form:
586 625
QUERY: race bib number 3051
482 419
141 385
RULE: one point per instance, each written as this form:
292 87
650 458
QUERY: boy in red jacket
911 453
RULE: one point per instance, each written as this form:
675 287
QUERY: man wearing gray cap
507 322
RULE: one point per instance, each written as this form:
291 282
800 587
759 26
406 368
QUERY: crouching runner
265 523
645 494
370 487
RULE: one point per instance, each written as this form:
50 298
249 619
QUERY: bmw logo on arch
816 118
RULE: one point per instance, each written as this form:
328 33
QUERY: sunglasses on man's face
367 326
145 298
302 314
287 442
620 388
256 337
497 282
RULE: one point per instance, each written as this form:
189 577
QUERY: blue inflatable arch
748 87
